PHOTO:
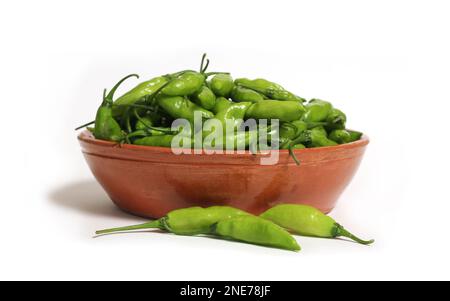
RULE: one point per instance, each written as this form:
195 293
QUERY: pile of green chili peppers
272 228
144 115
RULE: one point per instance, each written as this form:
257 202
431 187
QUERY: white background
385 63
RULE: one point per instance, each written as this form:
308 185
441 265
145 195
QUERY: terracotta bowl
151 181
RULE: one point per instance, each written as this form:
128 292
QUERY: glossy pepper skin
222 84
106 127
187 83
181 107
319 138
255 230
355 135
273 109
186 221
317 110
340 136
239 139
233 112
240 93
204 98
143 89
308 221
335 120
270 89
221 104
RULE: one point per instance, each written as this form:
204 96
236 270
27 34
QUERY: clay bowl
151 181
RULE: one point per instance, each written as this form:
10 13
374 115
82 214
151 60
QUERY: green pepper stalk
308 221
186 221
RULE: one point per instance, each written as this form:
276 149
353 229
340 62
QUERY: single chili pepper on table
270 89
186 221
106 127
308 221
273 109
255 230
240 93
222 84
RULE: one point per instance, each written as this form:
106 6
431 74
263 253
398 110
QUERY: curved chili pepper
340 136
355 135
143 89
186 221
181 107
185 84
204 98
335 120
256 230
240 93
222 84
270 89
317 110
308 221
106 127
273 109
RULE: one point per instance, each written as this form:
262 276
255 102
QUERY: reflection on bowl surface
151 181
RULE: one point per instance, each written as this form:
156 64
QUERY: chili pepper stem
214 73
341 231
291 152
149 225
85 125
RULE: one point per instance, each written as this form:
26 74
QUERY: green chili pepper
186 221
288 130
150 119
239 139
317 110
300 126
308 221
340 136
106 127
319 137
234 112
160 140
335 120
273 109
355 135
269 89
221 104
181 107
255 230
187 83
204 98
240 93
222 84
143 89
